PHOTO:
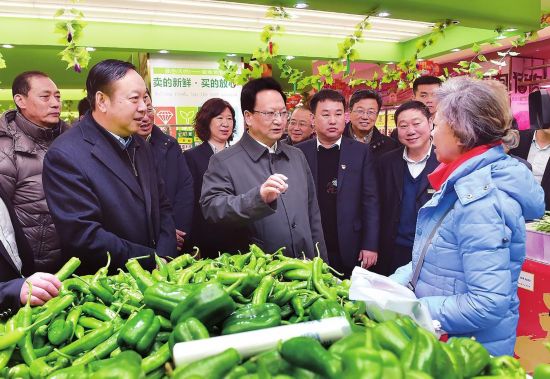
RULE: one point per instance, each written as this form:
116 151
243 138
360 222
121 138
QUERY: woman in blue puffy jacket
469 275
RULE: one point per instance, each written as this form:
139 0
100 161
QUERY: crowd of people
439 206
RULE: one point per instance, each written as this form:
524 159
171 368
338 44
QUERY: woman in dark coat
214 125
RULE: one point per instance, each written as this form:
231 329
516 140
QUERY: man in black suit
346 186
364 107
16 262
102 187
403 185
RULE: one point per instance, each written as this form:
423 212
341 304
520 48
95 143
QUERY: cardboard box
534 317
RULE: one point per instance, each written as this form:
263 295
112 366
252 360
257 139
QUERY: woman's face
447 145
221 126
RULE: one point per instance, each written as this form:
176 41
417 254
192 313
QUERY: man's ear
247 118
19 100
101 101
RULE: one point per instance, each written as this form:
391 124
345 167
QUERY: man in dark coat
264 185
403 185
364 107
16 263
173 170
346 186
101 183
534 147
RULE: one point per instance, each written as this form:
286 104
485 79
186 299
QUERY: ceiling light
301 5
510 30
455 22
383 14
455 50
7 46
231 55
500 36
90 49
420 60
290 57
390 63
163 51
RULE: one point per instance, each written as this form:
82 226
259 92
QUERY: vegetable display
126 325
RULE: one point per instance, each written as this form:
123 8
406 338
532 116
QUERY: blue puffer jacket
470 272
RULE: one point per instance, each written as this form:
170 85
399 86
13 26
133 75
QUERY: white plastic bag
386 299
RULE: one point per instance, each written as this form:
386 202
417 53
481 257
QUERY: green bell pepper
391 337
308 353
252 317
542 371
325 308
215 366
474 355
361 363
208 302
164 296
506 366
420 353
139 332
448 364
188 330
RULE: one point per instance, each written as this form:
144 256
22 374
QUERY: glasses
362 113
270 116
301 124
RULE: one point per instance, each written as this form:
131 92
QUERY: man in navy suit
402 177
346 186
101 184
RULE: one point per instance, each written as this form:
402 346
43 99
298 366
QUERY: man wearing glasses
263 185
364 107
300 126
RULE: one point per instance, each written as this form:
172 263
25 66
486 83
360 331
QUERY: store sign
179 87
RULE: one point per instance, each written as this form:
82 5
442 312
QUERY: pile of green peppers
97 320
395 349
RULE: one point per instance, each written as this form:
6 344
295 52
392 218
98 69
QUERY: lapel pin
343 167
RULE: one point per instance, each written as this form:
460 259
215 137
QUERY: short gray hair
478 111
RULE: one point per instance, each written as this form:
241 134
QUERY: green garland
70 29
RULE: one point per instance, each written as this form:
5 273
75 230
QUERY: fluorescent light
301 5
383 14
420 60
231 55
500 36
163 51
290 57
510 30
455 50
390 63
7 46
90 49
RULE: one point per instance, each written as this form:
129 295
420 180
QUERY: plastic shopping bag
386 299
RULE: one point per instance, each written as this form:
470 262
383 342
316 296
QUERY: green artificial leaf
442 78
265 36
491 72
479 74
446 71
476 48
375 75
481 58
329 80
402 85
474 66
59 12
464 64
458 70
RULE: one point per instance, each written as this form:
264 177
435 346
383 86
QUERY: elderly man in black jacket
264 185
16 263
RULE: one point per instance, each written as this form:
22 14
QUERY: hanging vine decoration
474 68
261 55
70 28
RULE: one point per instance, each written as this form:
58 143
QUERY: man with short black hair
346 186
83 108
26 134
364 107
101 182
403 185
263 185
424 88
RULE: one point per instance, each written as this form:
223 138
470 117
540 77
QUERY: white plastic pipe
257 341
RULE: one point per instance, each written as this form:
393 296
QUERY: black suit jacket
11 280
210 238
390 171
379 143
99 206
357 198
522 151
